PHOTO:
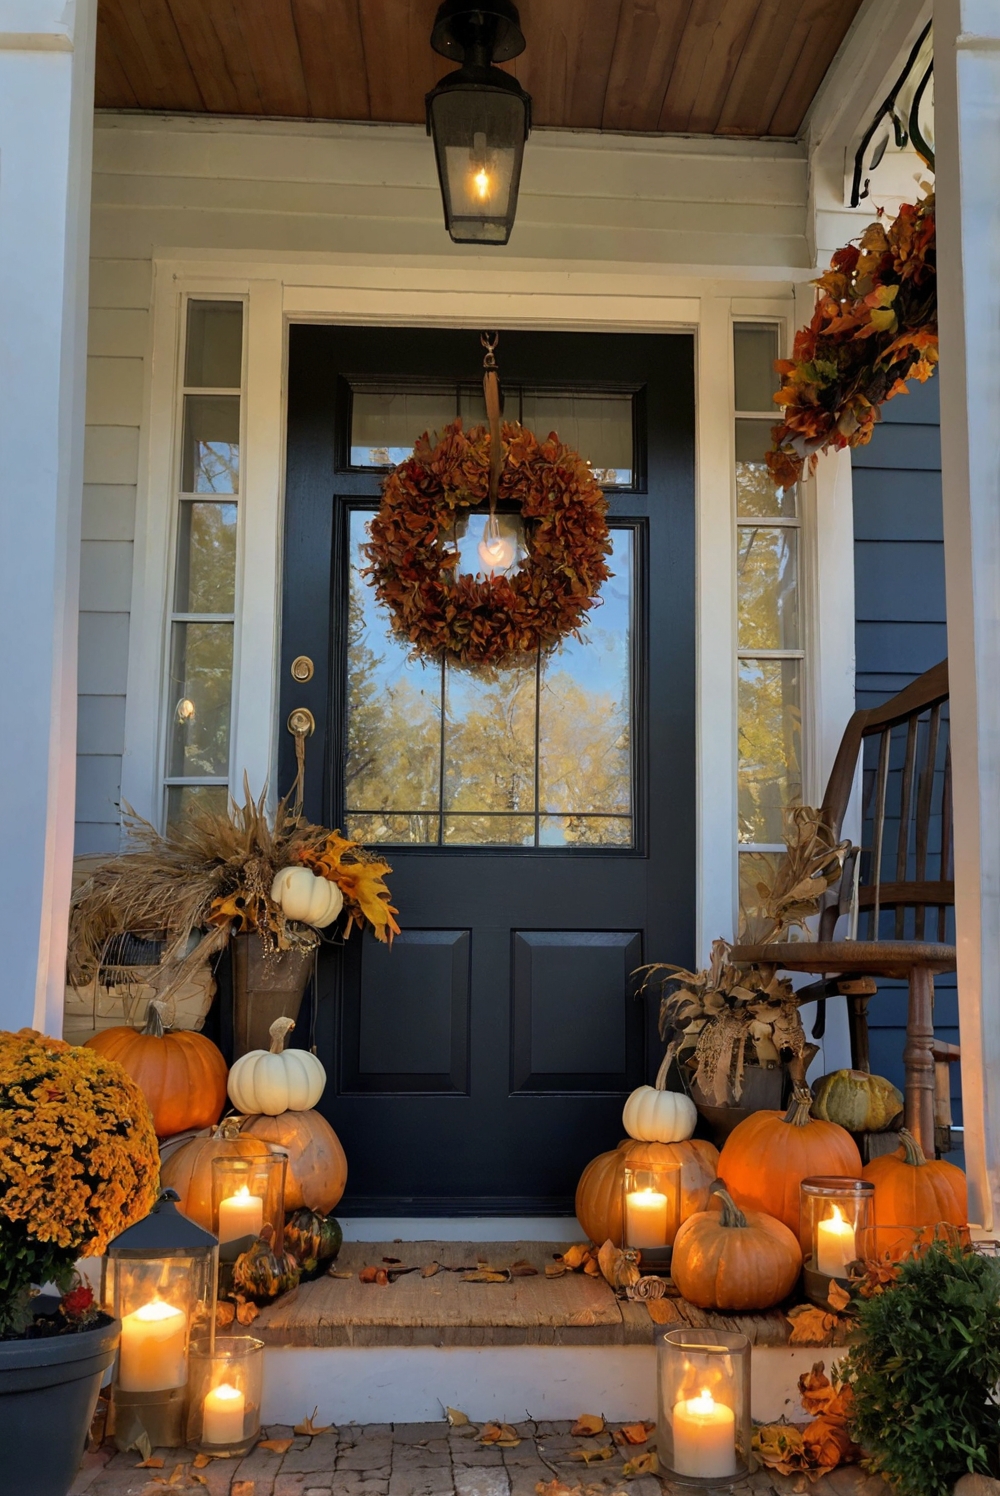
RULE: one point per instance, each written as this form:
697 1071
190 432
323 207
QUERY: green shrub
925 1376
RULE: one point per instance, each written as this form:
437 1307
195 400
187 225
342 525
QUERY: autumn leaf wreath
484 620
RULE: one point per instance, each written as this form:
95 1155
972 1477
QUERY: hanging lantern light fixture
479 119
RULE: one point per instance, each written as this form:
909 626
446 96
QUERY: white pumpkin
655 1116
276 1080
305 896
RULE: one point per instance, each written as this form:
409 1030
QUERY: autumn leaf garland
874 327
477 620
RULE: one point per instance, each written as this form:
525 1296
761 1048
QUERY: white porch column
46 127
967 110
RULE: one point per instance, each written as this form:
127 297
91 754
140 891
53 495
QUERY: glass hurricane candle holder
247 1195
703 1428
836 1216
651 1212
159 1279
227 1380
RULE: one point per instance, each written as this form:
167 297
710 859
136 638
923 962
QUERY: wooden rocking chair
905 885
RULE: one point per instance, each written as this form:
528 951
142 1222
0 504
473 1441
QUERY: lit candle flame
836 1215
224 1392
703 1403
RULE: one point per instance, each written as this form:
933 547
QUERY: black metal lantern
479 118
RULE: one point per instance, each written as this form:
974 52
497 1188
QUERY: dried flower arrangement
719 1019
78 1164
874 327
216 872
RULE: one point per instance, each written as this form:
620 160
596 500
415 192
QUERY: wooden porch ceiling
721 67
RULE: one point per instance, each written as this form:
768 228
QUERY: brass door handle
302 669
301 722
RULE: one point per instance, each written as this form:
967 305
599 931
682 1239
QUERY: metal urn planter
763 1090
48 1392
264 988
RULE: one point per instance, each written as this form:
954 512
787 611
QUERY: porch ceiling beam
967 109
46 130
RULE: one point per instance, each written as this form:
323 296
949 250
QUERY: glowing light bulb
481 182
496 552
185 710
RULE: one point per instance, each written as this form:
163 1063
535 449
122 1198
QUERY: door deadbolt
302 668
301 722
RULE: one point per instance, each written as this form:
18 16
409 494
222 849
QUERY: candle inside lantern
835 1245
153 1353
223 1421
646 1218
704 1437
241 1215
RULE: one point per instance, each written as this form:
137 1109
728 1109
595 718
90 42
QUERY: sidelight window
770 645
198 705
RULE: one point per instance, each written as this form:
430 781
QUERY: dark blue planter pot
48 1392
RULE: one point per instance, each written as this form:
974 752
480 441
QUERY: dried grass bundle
723 1017
213 872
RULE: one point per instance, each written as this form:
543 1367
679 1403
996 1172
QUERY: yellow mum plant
78 1163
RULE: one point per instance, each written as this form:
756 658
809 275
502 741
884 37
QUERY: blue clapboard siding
900 631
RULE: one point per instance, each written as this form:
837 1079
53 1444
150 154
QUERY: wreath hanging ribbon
413 552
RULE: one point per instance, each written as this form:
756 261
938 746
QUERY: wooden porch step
446 1310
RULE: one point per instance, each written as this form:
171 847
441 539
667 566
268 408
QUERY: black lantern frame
479 119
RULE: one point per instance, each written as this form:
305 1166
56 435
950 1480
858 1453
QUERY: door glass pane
756 495
386 422
461 756
214 353
770 774
755 348
211 452
598 426
201 683
182 798
489 740
585 708
393 759
767 579
206 558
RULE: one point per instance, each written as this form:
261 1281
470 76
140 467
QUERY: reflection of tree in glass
217 467
585 750
201 673
207 558
393 736
769 732
490 739
767 580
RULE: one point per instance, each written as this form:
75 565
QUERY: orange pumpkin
189 1169
599 1193
912 1194
766 1157
731 1260
317 1164
181 1074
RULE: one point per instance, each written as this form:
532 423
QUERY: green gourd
312 1238
856 1100
261 1274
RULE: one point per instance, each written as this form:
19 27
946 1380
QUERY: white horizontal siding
116 370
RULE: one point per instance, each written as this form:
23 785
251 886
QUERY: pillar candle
835 1245
704 1437
241 1215
223 1421
646 1219
153 1353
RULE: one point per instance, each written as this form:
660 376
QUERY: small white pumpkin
653 1115
276 1080
307 896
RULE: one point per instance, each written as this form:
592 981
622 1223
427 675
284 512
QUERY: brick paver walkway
423 1459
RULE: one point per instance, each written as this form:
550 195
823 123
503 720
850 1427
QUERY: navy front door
540 820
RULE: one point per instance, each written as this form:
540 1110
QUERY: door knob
302 668
301 722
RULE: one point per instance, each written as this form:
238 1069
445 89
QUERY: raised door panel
574 1025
